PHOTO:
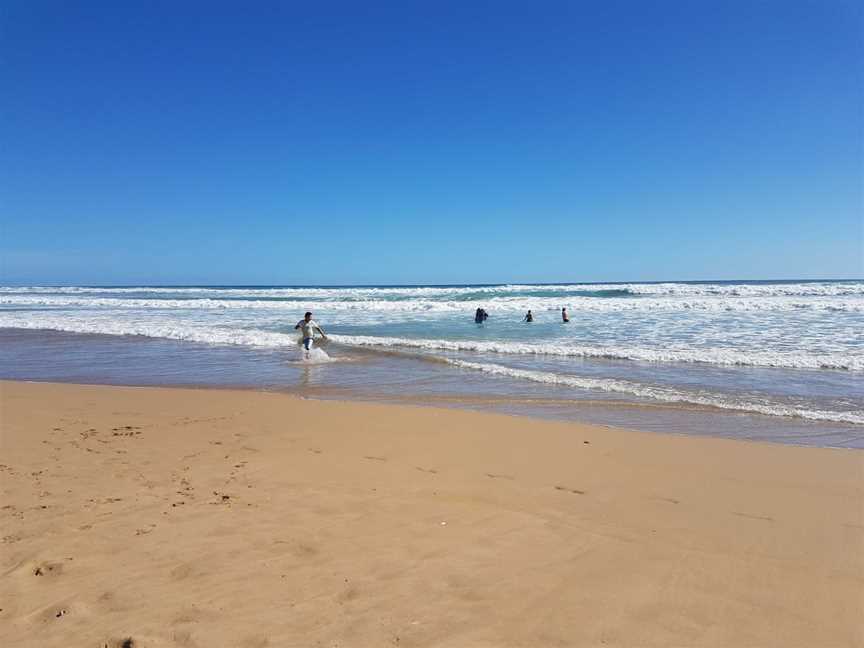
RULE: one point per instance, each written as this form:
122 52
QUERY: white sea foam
313 356
493 304
664 394
728 357
205 332
170 330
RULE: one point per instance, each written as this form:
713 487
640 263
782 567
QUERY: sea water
769 360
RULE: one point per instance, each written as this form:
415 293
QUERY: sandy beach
169 517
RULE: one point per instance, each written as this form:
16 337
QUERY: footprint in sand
182 571
375 458
48 569
567 489
58 610
427 470
126 431
753 517
145 530
671 500
221 498
494 476
186 487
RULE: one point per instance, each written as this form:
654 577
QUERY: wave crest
728 357
507 304
667 395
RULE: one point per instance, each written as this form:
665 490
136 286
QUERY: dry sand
228 518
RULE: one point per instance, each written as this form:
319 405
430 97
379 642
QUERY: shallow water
350 374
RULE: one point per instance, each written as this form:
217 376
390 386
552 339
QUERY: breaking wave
497 304
728 357
666 395
362 293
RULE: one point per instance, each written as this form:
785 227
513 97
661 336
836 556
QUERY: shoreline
194 517
745 403
492 405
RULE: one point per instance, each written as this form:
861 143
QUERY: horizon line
423 285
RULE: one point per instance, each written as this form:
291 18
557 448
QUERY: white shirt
307 328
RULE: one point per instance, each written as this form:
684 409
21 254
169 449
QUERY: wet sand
172 517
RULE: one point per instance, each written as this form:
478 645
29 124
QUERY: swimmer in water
529 317
564 317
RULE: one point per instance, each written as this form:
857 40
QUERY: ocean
778 361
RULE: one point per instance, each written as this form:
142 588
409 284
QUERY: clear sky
430 142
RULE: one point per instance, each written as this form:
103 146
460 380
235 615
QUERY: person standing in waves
308 326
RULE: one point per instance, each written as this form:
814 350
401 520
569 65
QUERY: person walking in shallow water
564 317
308 327
529 317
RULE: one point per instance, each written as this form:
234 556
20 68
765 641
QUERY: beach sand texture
170 517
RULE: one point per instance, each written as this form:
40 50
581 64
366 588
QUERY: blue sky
430 142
